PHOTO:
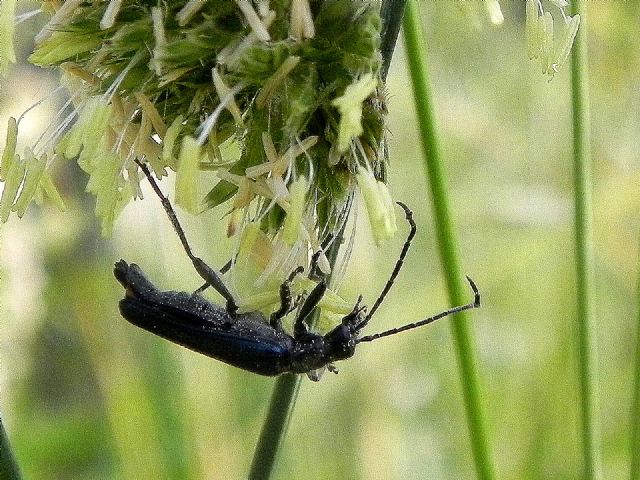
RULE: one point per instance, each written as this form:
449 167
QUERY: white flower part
110 14
151 111
495 13
34 168
259 188
211 120
546 33
59 19
169 140
278 164
12 184
253 20
275 80
223 90
232 53
293 220
158 27
7 29
263 8
560 3
533 46
269 148
379 206
350 107
301 25
160 38
188 11
544 41
566 42
187 175
9 149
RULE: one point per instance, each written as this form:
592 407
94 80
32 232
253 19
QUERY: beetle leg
309 305
201 288
208 274
205 285
286 300
315 273
227 266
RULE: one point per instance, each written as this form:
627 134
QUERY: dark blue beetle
252 341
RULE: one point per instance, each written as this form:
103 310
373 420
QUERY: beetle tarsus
476 292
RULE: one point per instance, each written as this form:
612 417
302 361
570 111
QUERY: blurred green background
86 395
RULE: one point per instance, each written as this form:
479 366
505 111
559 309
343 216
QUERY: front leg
315 272
310 304
286 300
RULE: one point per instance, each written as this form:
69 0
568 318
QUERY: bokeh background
85 395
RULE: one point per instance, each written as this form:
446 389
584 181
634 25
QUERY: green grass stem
448 250
634 452
283 399
8 467
586 326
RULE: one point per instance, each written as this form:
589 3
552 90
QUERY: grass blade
586 327
8 467
448 250
635 406
391 12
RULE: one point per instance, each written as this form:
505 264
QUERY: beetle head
340 343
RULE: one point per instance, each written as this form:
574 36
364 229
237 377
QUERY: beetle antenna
446 313
396 270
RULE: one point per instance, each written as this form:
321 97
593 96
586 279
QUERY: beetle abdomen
246 341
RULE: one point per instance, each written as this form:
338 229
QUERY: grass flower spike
192 86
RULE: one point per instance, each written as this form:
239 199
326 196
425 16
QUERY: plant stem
275 426
283 399
586 326
285 391
8 467
448 250
635 406
391 12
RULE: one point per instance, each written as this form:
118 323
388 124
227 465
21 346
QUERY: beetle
250 340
